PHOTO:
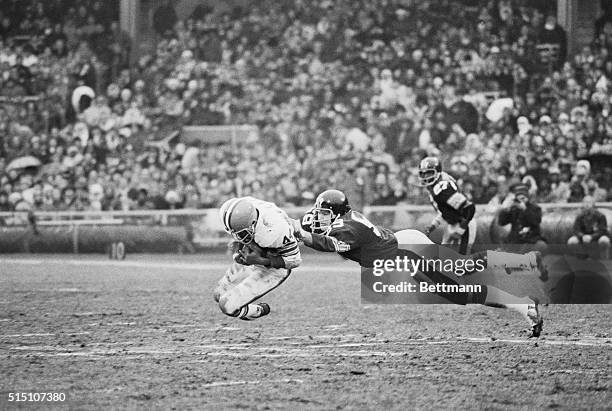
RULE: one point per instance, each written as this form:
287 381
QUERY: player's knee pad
222 287
604 240
573 240
229 307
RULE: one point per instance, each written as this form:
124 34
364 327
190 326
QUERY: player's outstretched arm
321 242
301 234
306 238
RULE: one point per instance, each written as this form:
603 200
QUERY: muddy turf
145 333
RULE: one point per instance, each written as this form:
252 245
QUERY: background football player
452 206
458 212
265 251
332 226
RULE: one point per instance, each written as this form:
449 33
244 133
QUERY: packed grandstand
344 93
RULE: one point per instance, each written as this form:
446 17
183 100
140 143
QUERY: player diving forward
265 251
332 226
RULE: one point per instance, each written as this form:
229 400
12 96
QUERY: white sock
500 298
520 308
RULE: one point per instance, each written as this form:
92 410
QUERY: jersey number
307 220
442 185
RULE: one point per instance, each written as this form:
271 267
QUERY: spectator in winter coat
525 218
590 227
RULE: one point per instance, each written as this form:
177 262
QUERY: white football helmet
239 217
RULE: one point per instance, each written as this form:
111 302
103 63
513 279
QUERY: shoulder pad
272 231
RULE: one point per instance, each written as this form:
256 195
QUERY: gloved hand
297 229
252 257
238 250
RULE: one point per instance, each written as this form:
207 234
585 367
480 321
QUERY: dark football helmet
330 205
430 169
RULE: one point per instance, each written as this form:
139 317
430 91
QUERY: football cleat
535 319
246 313
265 309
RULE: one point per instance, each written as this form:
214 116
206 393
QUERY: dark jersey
592 222
449 202
354 237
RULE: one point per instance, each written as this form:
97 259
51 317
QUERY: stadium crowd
349 94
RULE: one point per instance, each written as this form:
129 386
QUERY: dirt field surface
145 333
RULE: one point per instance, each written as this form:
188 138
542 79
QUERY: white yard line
251 382
26 335
307 337
248 350
140 264
112 343
41 334
590 342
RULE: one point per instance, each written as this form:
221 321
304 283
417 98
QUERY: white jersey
275 233
273 228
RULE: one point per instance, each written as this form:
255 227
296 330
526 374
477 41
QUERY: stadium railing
188 229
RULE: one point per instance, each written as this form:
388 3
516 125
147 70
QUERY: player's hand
428 230
239 258
587 238
234 246
297 229
252 257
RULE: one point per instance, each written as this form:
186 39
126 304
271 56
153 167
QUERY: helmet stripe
228 213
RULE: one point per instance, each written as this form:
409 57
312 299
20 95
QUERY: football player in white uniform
265 251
